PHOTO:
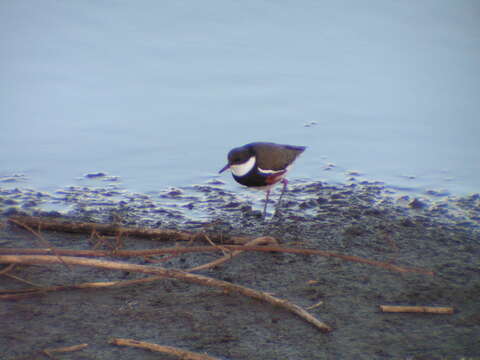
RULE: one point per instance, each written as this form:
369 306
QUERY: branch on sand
180 353
30 222
169 273
192 249
37 290
42 223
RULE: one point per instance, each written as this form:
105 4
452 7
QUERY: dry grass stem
180 353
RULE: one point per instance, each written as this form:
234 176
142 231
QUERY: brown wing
278 157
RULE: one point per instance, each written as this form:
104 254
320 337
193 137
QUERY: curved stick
176 274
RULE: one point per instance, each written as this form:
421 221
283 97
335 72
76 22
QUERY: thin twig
23 293
42 240
227 257
180 353
320 303
6 269
171 273
22 280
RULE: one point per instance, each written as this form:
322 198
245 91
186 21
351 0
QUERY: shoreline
442 236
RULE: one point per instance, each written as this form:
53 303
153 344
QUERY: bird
262 165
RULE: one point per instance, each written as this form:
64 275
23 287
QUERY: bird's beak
224 168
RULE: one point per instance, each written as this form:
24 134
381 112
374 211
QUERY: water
156 93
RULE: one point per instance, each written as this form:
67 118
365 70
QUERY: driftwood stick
176 274
109 229
192 249
417 309
180 353
64 349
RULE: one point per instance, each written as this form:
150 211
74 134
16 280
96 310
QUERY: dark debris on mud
438 233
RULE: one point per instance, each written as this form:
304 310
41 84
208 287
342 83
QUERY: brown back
275 156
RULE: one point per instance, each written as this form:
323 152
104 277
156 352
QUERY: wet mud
434 232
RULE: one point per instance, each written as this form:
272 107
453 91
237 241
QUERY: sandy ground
440 235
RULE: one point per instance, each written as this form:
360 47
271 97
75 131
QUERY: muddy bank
438 233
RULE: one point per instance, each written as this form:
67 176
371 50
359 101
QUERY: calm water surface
156 93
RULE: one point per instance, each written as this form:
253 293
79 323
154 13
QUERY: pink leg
285 183
266 202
